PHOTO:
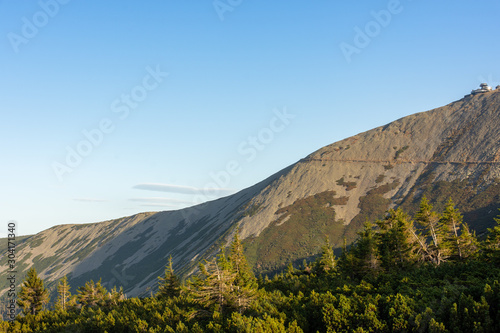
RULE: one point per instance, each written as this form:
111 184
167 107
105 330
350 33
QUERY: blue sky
118 107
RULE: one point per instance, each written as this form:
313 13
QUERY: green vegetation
252 210
36 243
348 185
169 284
477 206
297 233
60 238
64 294
400 151
33 296
372 206
428 273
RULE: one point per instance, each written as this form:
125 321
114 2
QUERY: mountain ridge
285 217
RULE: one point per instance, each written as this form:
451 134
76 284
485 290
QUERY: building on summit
484 87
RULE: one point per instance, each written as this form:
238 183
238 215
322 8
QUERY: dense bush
389 281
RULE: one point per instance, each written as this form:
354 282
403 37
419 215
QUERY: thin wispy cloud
158 205
183 189
89 200
162 201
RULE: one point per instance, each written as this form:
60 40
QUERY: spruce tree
346 259
364 251
63 294
398 242
429 221
33 296
327 261
469 242
459 241
451 220
245 283
169 285
115 296
92 294
492 242
213 289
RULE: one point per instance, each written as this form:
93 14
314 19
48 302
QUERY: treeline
426 273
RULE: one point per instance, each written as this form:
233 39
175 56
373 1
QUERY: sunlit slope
452 151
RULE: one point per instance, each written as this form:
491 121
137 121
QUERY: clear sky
110 108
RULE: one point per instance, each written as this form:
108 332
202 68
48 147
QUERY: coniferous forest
423 273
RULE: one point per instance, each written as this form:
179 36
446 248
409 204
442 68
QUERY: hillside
449 151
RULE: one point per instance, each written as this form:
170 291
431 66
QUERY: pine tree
92 294
63 294
33 296
169 285
429 221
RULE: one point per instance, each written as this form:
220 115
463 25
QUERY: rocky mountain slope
450 151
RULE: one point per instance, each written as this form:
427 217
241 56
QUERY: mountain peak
451 151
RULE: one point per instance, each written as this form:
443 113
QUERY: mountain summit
452 151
